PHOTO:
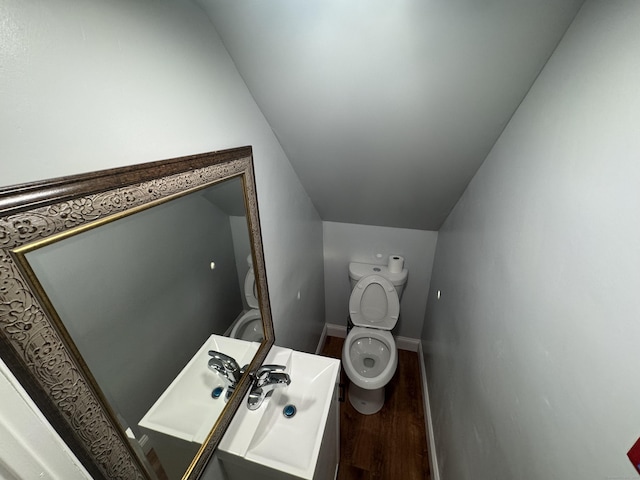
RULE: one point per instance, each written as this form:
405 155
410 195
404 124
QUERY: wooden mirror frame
40 353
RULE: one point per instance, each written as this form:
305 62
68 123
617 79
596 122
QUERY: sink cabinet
265 444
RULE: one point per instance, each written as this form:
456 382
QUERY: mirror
114 288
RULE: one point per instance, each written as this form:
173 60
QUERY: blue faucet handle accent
217 392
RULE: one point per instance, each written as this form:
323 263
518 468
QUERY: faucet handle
228 362
265 380
262 373
279 378
216 366
264 369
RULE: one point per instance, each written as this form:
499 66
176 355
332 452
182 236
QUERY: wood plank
391 444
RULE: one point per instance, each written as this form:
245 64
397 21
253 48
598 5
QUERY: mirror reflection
145 298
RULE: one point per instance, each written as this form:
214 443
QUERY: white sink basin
186 409
292 445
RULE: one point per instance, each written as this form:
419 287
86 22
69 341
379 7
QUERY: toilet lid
374 303
250 292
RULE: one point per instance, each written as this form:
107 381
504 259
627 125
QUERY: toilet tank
360 270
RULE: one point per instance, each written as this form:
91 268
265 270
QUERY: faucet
228 368
265 380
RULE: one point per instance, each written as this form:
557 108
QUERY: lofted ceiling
386 109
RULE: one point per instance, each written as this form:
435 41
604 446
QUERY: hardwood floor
391 444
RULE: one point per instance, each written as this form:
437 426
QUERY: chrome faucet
265 380
228 368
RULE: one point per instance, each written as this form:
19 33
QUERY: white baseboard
330 330
323 338
334 330
406 343
145 444
431 444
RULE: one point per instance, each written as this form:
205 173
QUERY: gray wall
99 84
345 242
110 84
387 109
532 350
138 296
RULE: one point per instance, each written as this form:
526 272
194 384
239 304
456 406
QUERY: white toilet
369 355
249 325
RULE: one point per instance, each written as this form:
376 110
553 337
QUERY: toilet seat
250 292
354 353
374 303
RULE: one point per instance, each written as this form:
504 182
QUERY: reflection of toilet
249 325
369 355
250 289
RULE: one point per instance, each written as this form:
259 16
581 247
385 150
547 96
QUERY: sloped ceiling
386 109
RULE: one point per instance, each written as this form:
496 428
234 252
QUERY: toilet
369 354
249 325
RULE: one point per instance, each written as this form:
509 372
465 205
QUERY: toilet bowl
369 354
370 359
248 327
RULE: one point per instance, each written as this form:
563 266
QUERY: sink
186 409
292 442
291 445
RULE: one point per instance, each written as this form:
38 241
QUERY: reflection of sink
186 409
291 445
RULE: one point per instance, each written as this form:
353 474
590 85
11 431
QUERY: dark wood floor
391 444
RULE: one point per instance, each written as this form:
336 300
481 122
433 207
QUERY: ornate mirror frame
38 350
